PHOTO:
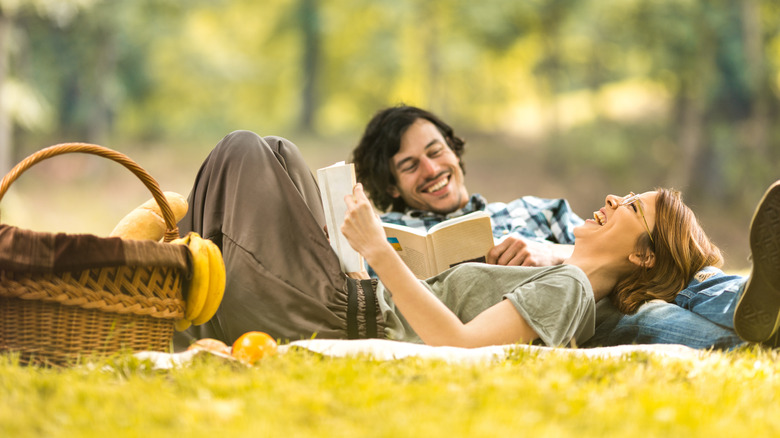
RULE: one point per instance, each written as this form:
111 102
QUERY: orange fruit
253 346
210 344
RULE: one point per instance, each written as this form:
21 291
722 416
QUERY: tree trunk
99 125
428 13
689 139
6 146
310 62
757 126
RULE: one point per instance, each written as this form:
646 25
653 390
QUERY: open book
335 182
463 239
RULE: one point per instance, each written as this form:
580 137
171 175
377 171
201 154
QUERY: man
410 163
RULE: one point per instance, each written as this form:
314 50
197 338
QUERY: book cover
464 239
337 181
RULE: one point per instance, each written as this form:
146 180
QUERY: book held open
463 239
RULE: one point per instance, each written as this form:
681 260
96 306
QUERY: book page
335 182
452 222
412 246
462 241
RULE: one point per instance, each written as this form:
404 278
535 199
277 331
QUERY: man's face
427 172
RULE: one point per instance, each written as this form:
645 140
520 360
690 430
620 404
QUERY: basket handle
171 229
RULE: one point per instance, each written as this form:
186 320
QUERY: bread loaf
146 221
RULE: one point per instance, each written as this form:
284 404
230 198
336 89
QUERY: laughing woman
637 248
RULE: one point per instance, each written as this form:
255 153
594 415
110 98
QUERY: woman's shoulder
573 273
560 273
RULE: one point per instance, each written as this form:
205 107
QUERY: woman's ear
646 259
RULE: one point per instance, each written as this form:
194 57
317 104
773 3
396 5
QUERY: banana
183 240
207 285
199 287
182 324
216 288
199 283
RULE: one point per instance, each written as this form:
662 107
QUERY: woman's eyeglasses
631 199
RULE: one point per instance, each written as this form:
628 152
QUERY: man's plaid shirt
539 219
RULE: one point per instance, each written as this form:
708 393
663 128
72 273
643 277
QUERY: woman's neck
602 271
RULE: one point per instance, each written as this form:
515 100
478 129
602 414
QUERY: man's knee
248 147
244 143
239 140
284 148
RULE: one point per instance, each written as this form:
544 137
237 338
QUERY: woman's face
621 221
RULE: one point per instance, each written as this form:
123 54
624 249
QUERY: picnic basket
55 313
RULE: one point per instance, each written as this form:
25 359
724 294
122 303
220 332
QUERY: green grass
302 394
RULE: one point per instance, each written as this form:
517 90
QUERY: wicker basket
52 317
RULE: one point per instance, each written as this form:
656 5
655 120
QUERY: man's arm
533 231
516 251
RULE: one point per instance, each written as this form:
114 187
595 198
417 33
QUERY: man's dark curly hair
381 140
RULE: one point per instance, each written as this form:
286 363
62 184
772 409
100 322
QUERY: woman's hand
362 227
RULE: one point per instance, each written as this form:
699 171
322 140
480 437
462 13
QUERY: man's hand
515 251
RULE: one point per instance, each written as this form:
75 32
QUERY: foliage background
556 98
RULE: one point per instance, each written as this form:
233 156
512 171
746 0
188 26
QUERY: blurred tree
5 128
91 63
551 70
309 16
19 102
709 58
686 88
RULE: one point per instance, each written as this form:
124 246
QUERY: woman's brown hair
680 250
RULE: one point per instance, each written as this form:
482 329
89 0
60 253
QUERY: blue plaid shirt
538 219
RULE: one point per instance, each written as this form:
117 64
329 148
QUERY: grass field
303 394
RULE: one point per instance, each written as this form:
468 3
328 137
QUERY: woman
637 248
256 198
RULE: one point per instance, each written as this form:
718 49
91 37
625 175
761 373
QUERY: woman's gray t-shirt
556 301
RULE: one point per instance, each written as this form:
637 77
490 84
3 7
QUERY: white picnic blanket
382 349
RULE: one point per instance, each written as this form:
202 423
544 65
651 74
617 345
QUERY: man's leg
701 316
658 322
757 315
713 295
258 201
